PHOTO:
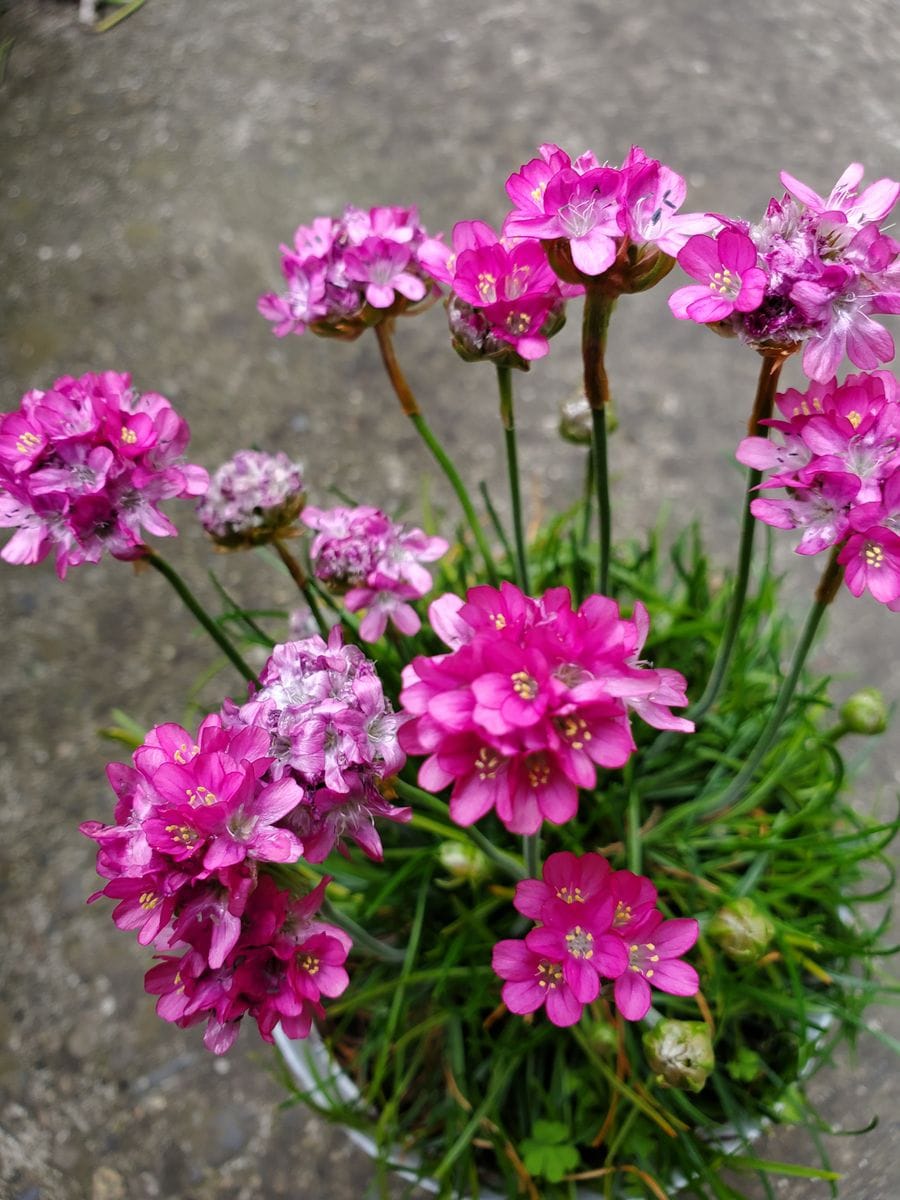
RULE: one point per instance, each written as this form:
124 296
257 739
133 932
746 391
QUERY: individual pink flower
654 960
573 879
83 468
872 561
730 280
533 981
532 699
579 937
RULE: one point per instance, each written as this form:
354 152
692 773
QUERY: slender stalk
199 612
769 373
633 847
598 306
531 851
588 497
360 936
301 579
507 416
410 406
825 593
415 795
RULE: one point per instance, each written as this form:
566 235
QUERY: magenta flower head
836 458
595 927
83 467
620 225
252 499
532 699
828 268
377 564
344 275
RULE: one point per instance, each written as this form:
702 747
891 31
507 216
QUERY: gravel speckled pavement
147 177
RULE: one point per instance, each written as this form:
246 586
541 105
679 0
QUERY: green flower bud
865 712
742 930
576 423
463 861
680 1053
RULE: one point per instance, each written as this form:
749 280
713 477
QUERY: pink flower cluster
505 295
839 461
594 924
196 818
376 562
332 736
531 700
251 498
812 271
83 467
602 212
341 275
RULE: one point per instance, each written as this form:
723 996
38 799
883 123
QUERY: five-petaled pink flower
730 280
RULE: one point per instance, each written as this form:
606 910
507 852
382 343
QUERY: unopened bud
462 860
865 712
576 421
742 930
680 1053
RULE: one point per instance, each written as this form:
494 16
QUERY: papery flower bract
252 498
530 701
84 466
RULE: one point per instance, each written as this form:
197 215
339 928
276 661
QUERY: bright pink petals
730 280
532 699
837 458
84 466
595 927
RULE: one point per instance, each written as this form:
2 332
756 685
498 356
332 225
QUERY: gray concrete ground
147 178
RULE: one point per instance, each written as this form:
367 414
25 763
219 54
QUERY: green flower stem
415 795
531 851
360 937
507 416
199 612
588 497
598 306
410 406
301 579
825 593
769 374
633 847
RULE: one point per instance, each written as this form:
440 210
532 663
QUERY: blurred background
147 177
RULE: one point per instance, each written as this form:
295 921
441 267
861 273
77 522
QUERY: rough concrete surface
147 177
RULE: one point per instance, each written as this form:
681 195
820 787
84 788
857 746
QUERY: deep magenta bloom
532 699
654 961
596 927
872 560
84 466
730 280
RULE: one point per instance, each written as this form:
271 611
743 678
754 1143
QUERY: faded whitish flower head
680 1053
252 498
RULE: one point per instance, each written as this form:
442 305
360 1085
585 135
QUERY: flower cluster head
83 467
375 563
531 700
838 460
811 272
330 733
595 925
505 299
598 220
196 821
252 498
343 275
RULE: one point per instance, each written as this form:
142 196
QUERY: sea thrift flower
827 269
330 730
596 217
532 699
595 926
375 562
343 275
83 467
838 462
252 498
